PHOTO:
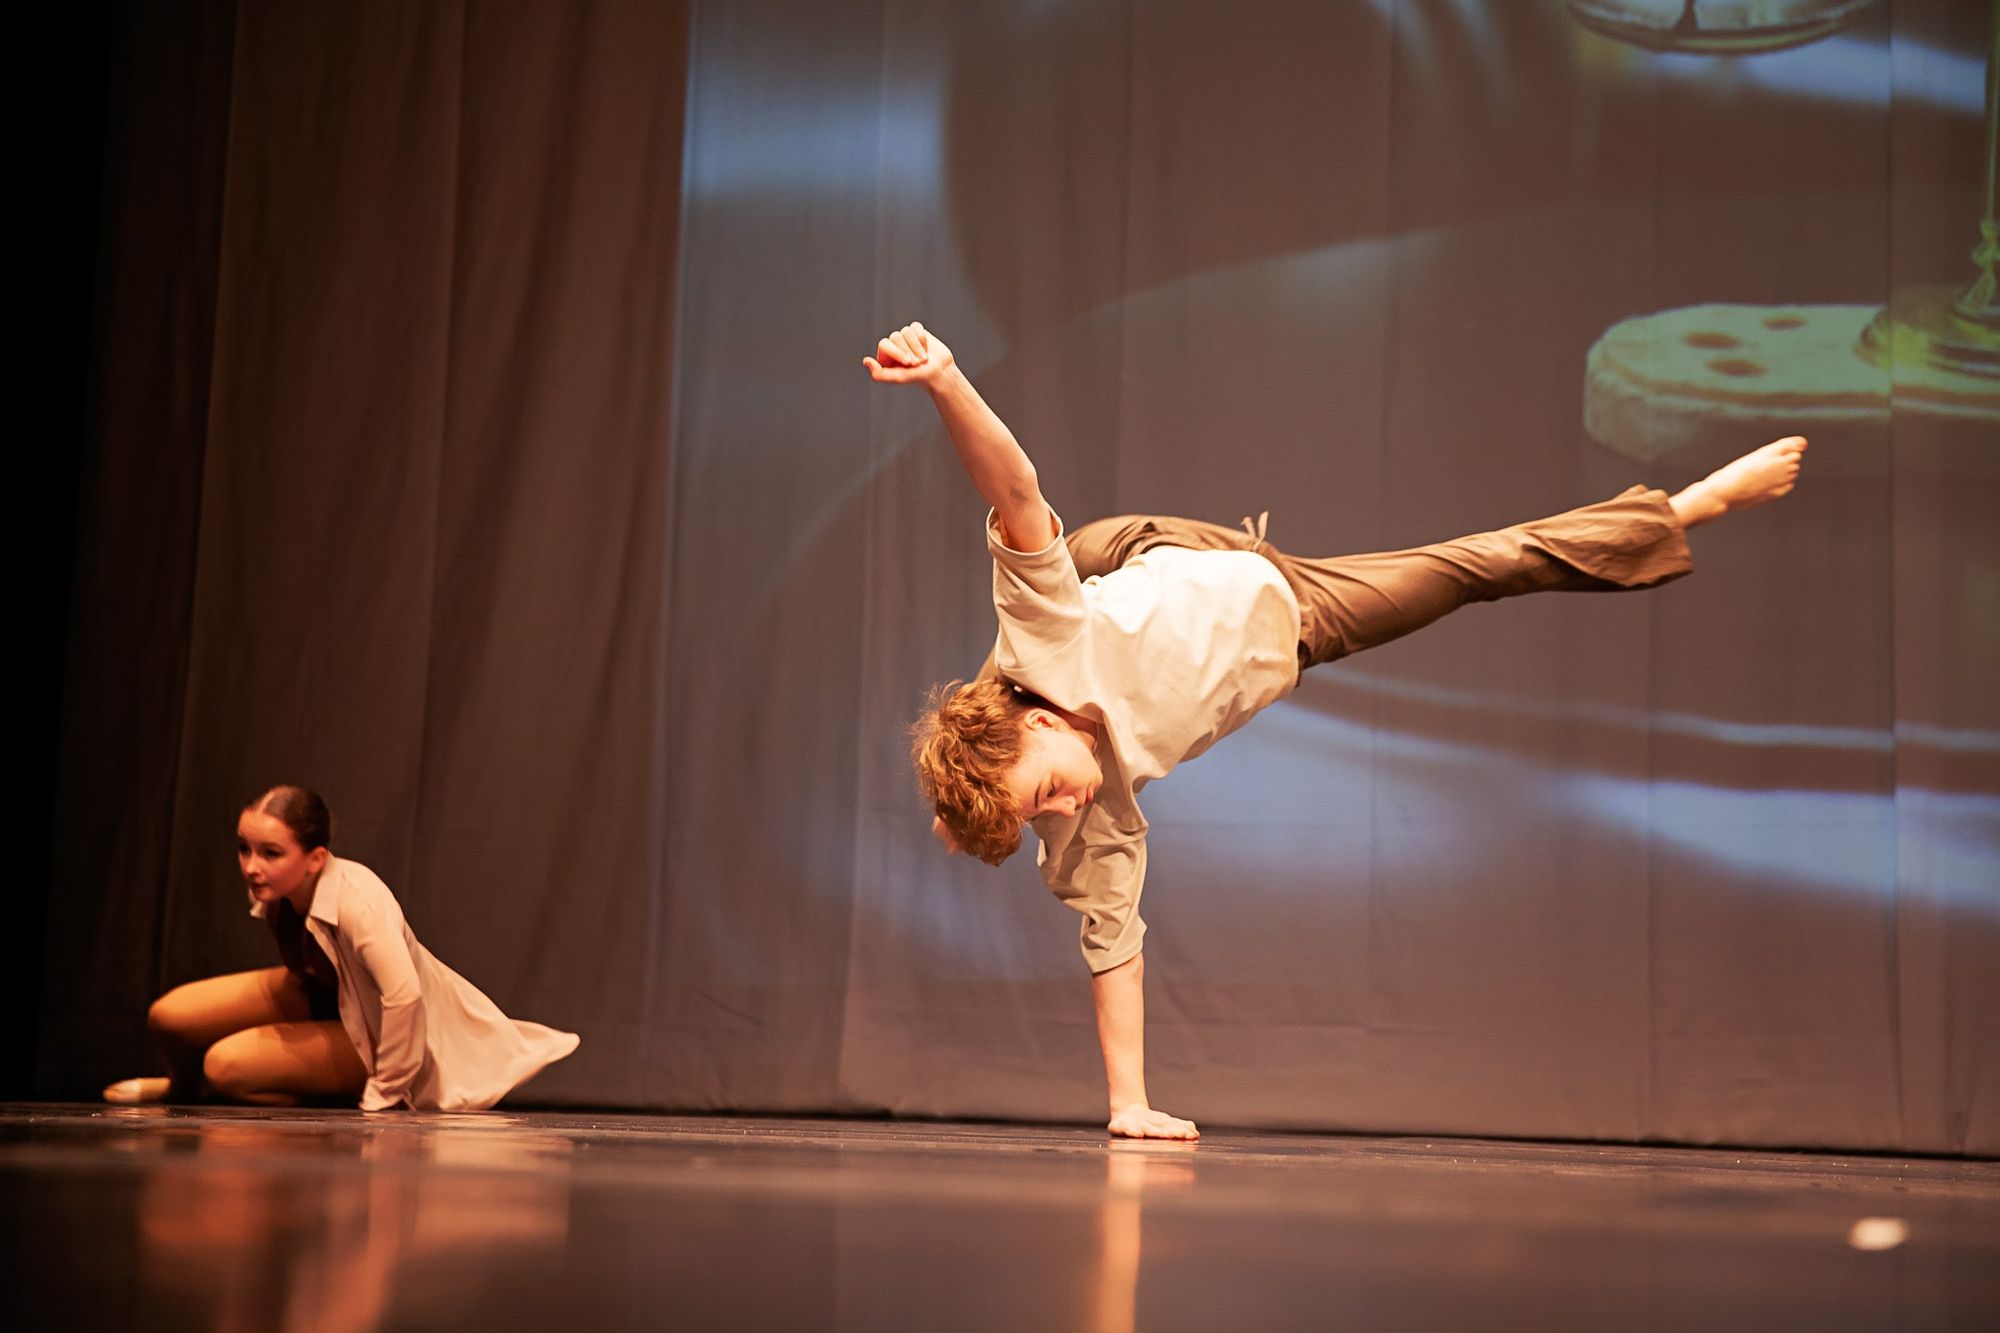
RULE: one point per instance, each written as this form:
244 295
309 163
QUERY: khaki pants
1351 602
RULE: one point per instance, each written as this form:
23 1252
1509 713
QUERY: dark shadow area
62 191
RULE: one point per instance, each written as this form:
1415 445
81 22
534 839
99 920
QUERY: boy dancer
1183 632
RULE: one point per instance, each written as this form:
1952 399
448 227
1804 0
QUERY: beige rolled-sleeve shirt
1170 652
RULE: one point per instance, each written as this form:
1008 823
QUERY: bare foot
1759 477
137 1091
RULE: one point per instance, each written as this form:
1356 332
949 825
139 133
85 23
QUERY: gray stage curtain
546 520
418 558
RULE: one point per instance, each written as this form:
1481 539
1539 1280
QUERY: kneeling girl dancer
1133 644
360 1011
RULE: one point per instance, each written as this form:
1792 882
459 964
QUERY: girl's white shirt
430 1039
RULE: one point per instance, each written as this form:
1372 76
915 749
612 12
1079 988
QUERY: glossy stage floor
238 1219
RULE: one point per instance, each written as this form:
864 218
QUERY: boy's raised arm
1000 469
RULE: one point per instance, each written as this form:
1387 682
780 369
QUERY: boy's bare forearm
999 468
1120 997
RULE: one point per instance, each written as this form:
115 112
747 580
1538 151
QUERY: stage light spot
1712 342
1735 365
1878 1233
1783 322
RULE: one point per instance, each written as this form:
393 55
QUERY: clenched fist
910 355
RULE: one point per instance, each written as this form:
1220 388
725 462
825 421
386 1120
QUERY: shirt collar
326 894
326 897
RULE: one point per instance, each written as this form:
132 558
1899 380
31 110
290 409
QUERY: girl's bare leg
189 1019
282 1064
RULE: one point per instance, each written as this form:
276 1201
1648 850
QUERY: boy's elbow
1027 486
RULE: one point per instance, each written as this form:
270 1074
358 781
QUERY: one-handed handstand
1133 644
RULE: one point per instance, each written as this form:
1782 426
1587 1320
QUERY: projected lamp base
1928 327
1706 27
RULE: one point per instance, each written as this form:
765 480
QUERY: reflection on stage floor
247 1219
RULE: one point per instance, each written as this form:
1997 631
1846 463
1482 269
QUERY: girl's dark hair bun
301 810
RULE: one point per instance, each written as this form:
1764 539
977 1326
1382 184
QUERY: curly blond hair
962 746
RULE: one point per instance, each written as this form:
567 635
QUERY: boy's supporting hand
910 355
1140 1121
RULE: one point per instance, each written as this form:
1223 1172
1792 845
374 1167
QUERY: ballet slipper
137 1091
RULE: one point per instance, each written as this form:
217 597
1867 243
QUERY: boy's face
1057 773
